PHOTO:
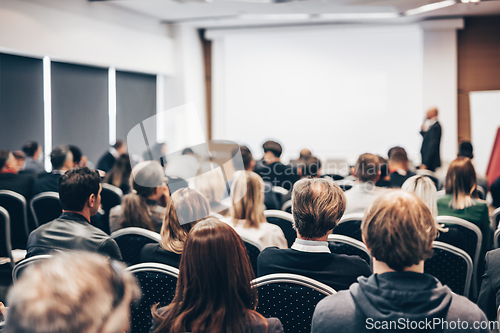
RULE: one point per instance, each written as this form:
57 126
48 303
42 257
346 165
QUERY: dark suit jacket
46 182
22 184
397 180
489 296
430 147
277 174
155 253
335 270
106 162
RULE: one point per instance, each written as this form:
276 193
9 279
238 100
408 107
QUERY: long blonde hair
250 188
184 209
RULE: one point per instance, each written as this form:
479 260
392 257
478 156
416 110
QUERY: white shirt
361 196
267 234
304 245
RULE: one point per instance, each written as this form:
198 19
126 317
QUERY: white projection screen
339 91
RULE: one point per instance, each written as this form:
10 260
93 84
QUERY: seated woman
184 209
247 213
213 293
149 198
461 200
119 175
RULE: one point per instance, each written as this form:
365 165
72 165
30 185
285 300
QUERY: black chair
15 204
158 283
290 298
349 225
111 196
341 244
5 245
279 192
19 268
45 207
287 207
451 266
131 241
496 239
481 193
494 219
283 220
253 250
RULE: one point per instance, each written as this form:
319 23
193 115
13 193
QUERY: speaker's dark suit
431 157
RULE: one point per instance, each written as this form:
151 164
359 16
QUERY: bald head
432 113
305 153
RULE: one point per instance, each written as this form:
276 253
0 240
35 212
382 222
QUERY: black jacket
46 182
106 162
71 231
489 296
431 157
20 183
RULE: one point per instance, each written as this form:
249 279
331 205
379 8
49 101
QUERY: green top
477 214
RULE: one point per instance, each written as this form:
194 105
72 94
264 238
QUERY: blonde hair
210 182
250 188
461 183
185 208
399 229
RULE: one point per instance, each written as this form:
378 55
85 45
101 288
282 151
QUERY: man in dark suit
11 180
107 160
318 205
272 170
62 160
431 132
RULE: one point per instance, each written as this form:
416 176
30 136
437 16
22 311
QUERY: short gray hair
317 206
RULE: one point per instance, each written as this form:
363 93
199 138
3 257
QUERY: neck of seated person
380 267
315 239
269 158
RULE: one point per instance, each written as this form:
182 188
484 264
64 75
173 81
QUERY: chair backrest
283 220
19 268
253 250
15 204
481 193
341 244
45 207
158 283
291 298
451 266
111 196
5 245
287 207
496 238
349 225
132 240
279 192
495 218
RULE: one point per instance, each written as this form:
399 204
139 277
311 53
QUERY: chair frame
154 267
136 231
459 252
280 214
25 212
295 279
286 205
8 244
352 217
450 221
493 221
334 238
279 190
38 197
113 188
481 192
26 262
495 238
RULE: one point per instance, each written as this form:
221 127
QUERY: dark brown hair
120 172
135 212
367 167
213 295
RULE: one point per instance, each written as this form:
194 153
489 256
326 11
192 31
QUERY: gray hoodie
397 302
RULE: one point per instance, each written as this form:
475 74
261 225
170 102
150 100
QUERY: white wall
79 32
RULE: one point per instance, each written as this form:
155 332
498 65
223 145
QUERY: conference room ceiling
225 13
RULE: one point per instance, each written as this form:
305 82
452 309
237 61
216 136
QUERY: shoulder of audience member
357 262
334 312
465 310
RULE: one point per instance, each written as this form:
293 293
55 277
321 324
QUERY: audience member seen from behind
79 160
247 213
107 161
119 175
461 199
399 167
214 295
317 206
62 160
72 293
184 209
495 192
20 159
11 179
80 197
385 176
364 192
211 184
272 170
466 150
34 157
398 229
148 199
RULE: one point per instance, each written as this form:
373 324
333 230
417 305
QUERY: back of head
317 206
273 147
120 172
247 157
185 208
30 148
212 295
398 229
58 157
19 155
383 167
465 150
4 157
118 144
250 188
76 186
424 188
460 182
77 153
72 293
135 212
310 167
367 168
398 155
147 176
305 154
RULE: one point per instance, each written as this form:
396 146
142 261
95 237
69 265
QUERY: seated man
318 204
107 160
398 229
272 170
80 197
364 192
399 167
72 293
11 180
34 154
62 160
